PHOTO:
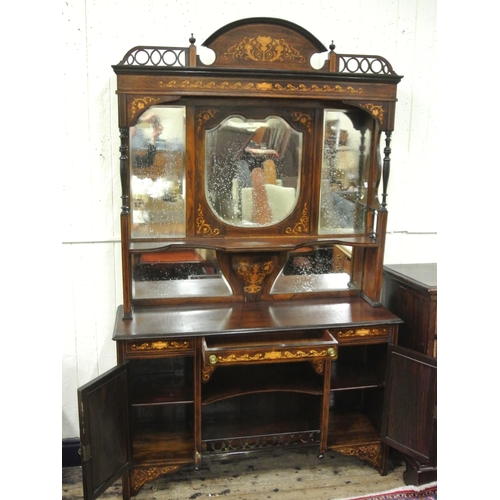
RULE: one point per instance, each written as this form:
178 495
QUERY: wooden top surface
251 317
422 276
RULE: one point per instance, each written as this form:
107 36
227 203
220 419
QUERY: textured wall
97 34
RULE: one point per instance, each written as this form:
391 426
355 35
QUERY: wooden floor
280 475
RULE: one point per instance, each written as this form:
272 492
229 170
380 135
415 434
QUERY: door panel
104 430
409 420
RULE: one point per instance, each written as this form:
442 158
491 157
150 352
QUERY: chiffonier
253 225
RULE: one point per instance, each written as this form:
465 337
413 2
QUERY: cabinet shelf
353 375
262 419
351 429
161 395
227 382
253 244
163 443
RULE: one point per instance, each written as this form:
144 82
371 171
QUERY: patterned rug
425 492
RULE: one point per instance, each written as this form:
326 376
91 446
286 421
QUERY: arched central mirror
252 170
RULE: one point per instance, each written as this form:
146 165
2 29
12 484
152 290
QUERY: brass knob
212 359
331 351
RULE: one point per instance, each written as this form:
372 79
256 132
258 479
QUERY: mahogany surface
242 317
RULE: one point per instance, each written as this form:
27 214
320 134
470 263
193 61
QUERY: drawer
272 347
363 335
158 348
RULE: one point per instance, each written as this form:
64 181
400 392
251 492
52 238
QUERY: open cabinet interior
253 226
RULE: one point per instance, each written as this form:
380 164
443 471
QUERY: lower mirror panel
176 274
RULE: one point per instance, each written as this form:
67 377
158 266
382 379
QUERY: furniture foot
418 473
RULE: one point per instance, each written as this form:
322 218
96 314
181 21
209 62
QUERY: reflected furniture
410 423
253 226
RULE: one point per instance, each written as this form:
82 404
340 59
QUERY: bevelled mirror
178 273
344 172
315 269
252 170
158 173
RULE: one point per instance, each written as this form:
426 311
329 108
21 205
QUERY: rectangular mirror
158 173
344 172
190 272
315 270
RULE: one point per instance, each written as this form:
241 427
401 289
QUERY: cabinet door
409 420
104 430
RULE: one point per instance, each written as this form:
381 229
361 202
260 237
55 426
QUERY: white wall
97 33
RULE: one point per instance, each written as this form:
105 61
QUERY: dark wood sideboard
253 227
410 418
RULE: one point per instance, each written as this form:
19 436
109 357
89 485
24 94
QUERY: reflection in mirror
344 173
315 270
177 273
157 167
252 170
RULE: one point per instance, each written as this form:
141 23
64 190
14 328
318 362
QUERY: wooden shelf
353 375
163 443
227 382
251 243
166 394
232 429
350 429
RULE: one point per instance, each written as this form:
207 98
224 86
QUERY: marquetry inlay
377 111
142 476
160 345
302 226
264 49
318 366
139 104
207 371
371 453
205 116
272 356
202 227
361 332
254 274
251 87
304 119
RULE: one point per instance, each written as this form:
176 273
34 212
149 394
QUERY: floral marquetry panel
264 45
